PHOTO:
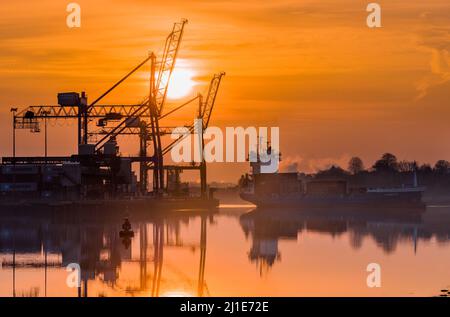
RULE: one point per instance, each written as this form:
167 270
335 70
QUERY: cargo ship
287 190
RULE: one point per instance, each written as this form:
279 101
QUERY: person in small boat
126 232
126 225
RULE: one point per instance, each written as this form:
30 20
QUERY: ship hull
373 201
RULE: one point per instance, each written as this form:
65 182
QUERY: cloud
436 41
440 72
291 164
311 165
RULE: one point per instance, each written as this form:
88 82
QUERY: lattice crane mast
208 105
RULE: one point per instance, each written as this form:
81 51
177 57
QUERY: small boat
127 232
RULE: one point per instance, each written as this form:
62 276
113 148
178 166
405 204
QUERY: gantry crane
204 114
138 119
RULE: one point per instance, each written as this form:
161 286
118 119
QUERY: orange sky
335 87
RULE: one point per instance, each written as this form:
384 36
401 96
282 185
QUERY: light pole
13 111
45 113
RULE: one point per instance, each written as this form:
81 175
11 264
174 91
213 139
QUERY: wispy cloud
435 40
309 165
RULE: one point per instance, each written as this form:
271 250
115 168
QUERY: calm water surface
235 252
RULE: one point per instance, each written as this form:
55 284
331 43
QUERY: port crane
204 114
142 119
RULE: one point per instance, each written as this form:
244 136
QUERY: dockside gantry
141 119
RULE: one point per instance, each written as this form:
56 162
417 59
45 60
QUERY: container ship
287 190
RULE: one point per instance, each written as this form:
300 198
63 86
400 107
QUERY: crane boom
71 112
167 64
205 109
162 82
208 105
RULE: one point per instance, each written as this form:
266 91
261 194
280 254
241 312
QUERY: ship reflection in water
235 252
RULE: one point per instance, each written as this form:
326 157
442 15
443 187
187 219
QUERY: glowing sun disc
181 83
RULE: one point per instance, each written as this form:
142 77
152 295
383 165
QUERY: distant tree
425 169
442 167
355 165
387 163
407 166
333 171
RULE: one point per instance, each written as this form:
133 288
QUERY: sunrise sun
181 83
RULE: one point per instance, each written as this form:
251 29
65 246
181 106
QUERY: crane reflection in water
167 253
106 254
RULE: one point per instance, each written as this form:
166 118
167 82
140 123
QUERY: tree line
388 163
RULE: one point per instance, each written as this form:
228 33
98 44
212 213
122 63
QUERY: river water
235 252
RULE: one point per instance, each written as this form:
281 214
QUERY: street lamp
13 111
45 113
